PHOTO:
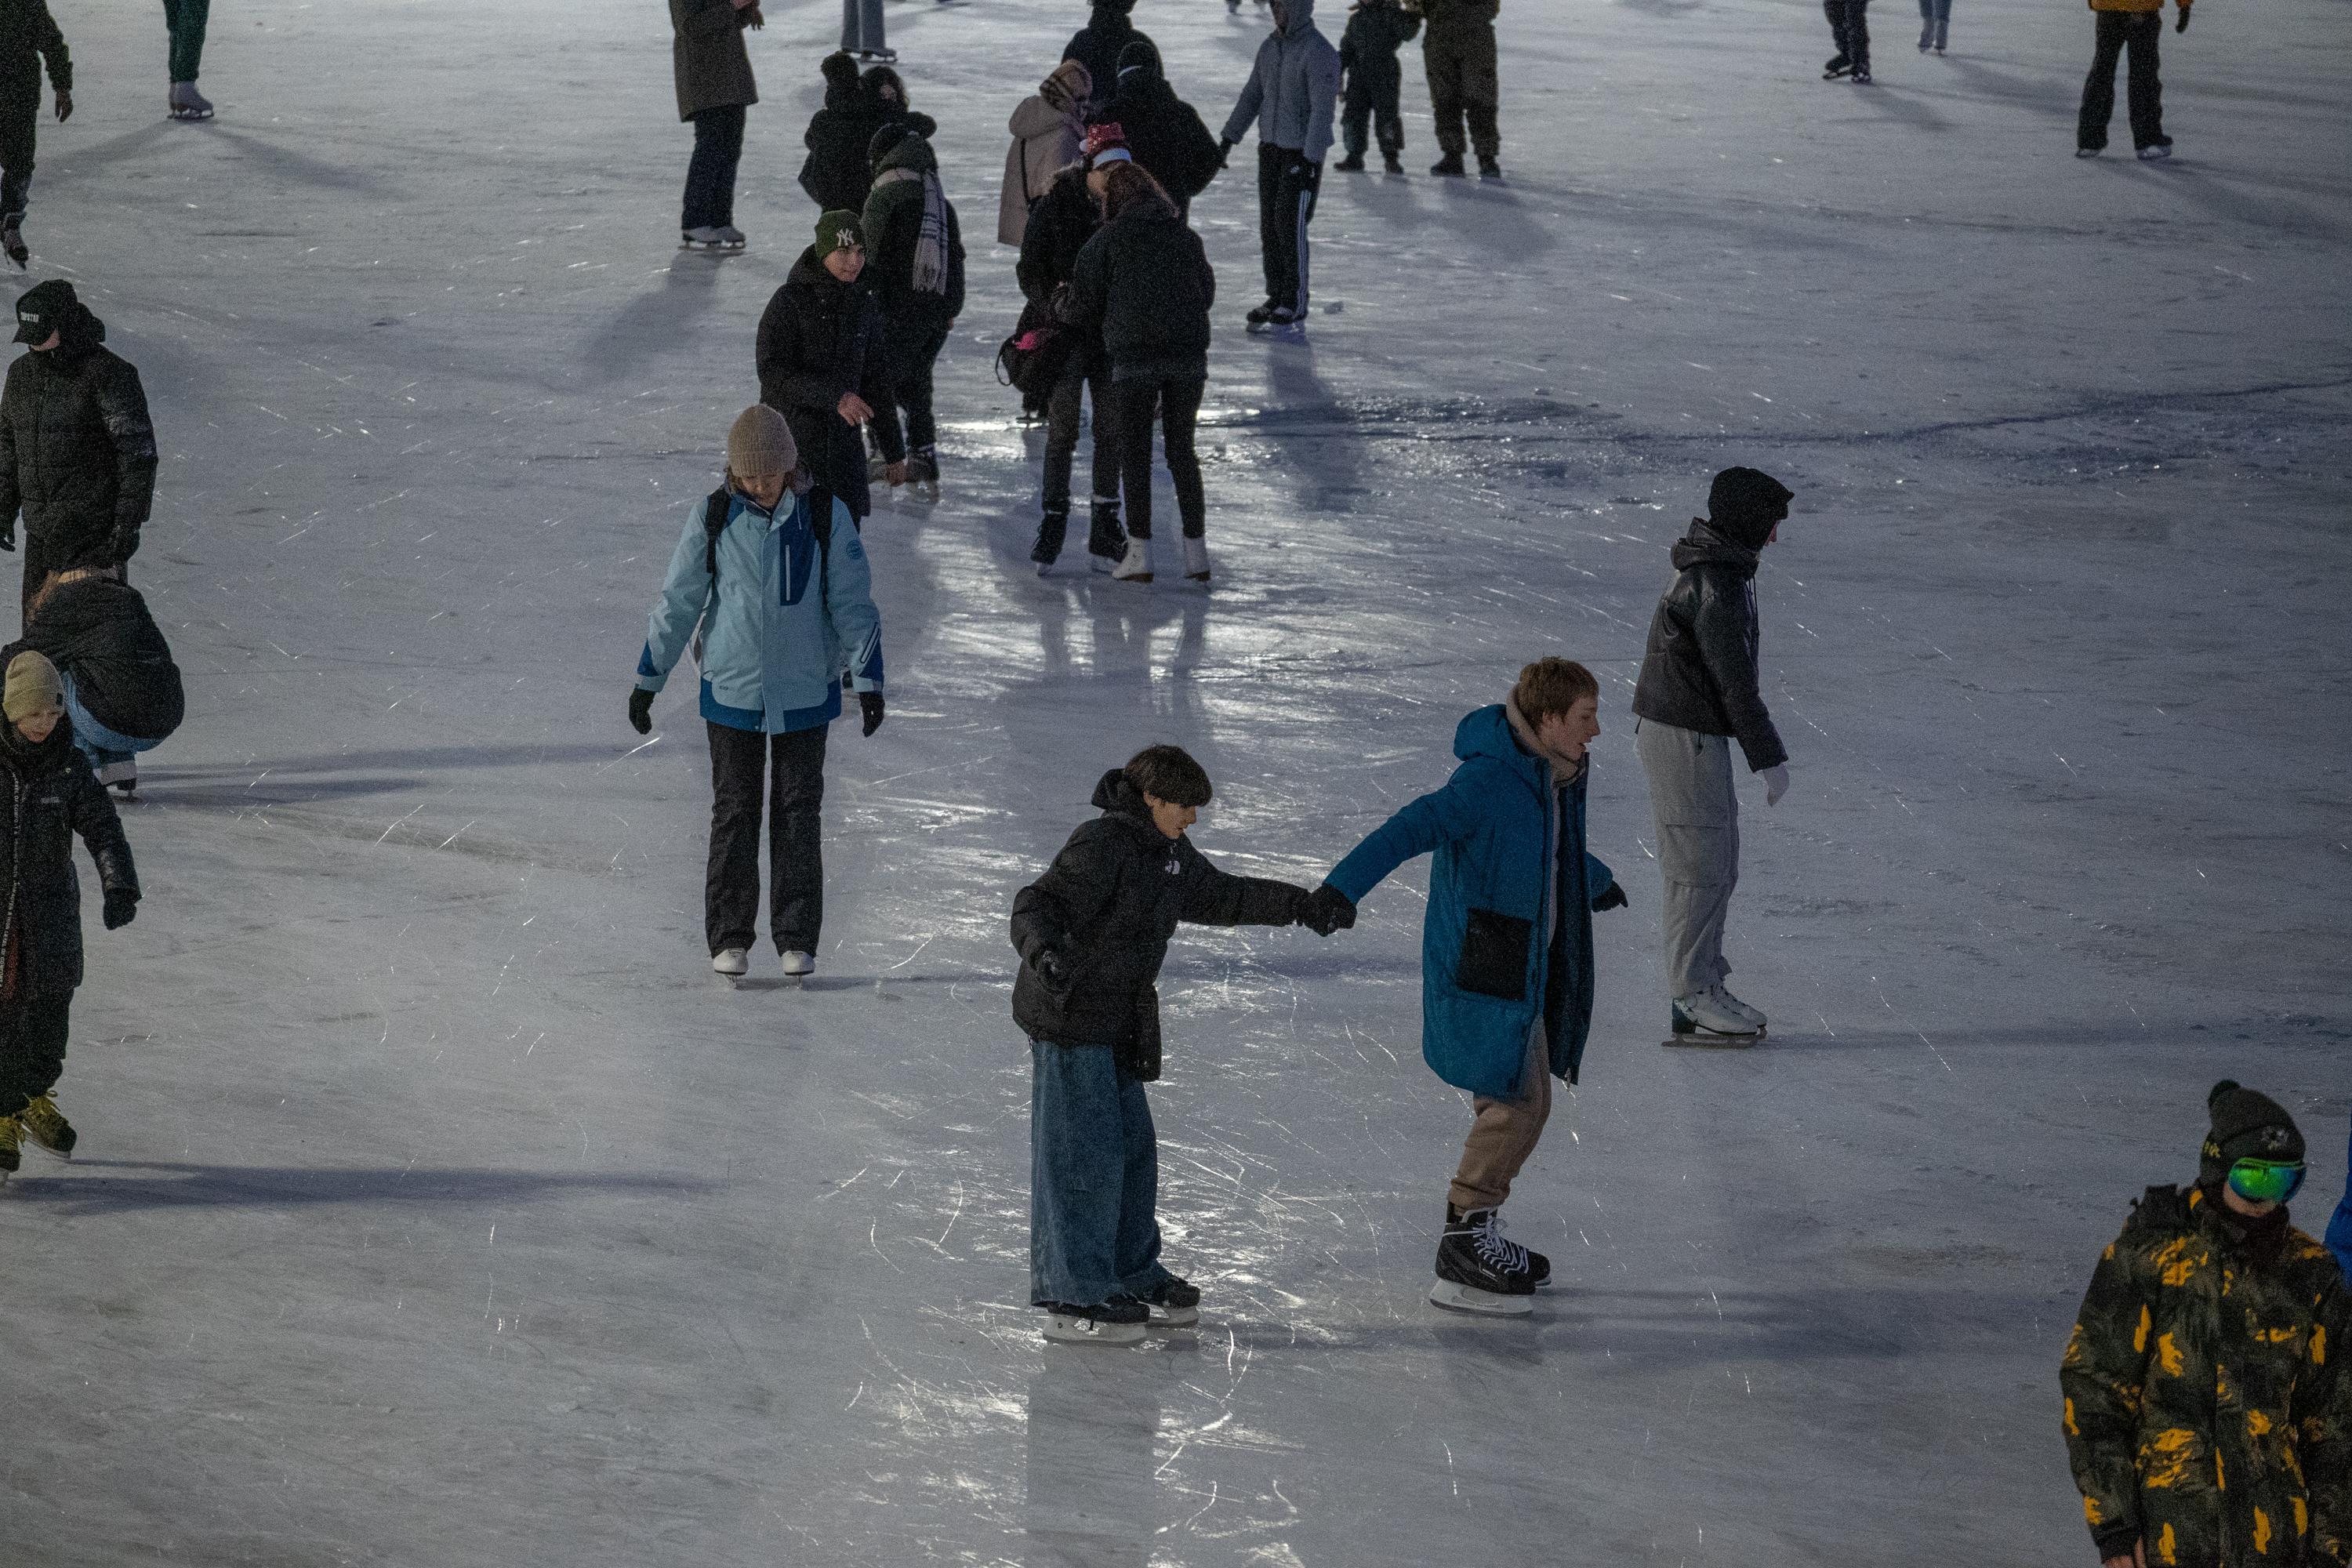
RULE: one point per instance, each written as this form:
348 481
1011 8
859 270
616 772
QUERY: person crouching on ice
772 572
1092 932
40 947
1506 951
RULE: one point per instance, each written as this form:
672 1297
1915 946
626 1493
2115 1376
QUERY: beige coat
1048 131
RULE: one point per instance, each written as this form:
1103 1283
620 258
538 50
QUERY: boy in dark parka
1371 78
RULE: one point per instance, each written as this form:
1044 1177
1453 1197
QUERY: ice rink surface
436 1207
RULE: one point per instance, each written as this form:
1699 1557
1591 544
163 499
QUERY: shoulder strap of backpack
714 524
820 505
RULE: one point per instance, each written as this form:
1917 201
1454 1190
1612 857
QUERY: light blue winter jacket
784 628
1293 88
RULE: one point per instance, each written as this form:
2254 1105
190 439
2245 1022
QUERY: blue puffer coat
2339 1229
1504 857
784 627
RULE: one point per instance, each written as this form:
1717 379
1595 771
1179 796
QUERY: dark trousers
2140 32
1286 201
1178 402
16 158
1372 100
795 791
915 348
32 1048
711 172
1063 407
184 19
1464 85
1849 28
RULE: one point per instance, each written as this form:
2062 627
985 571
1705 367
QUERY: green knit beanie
837 230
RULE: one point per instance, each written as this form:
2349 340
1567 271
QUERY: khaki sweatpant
1504 1134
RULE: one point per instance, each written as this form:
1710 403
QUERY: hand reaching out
1776 783
1326 909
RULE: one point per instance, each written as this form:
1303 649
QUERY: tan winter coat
1048 135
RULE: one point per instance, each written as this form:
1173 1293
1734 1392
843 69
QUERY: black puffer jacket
1699 671
836 173
820 338
1164 133
99 632
892 223
1061 221
52 795
1096 46
29 36
76 448
1108 906
1145 284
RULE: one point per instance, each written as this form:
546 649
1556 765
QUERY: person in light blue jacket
769 587
1507 949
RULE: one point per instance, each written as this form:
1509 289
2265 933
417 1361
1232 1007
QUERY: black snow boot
1263 313
1353 164
1392 162
1489 169
1451 164
1051 530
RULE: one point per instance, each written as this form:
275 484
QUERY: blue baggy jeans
1094 1180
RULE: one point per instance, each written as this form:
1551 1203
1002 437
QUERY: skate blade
1081 1332
1175 1317
1702 1039
1456 1297
63 1156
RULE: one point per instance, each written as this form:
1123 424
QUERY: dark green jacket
893 225
711 66
2208 1412
28 36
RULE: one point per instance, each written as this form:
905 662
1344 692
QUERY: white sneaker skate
731 961
1702 1020
1733 1005
1196 560
799 965
1136 566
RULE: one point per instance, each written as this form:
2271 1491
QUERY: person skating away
1506 951
1699 692
183 21
862 30
40 943
1145 284
1466 87
1935 25
77 447
837 174
713 71
28 40
122 687
1097 47
1850 31
821 362
1370 80
1092 932
1164 133
1060 224
2208 1409
781 595
1049 131
1291 95
2137 27
914 250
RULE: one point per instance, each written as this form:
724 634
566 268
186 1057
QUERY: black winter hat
1746 505
1139 55
2246 1126
839 69
46 308
889 136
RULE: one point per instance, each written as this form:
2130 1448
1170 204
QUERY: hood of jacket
1038 115
1110 12
1299 17
1487 732
1114 793
1703 546
1145 90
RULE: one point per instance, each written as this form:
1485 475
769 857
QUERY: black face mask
2261 1237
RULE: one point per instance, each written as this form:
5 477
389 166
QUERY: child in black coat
1370 77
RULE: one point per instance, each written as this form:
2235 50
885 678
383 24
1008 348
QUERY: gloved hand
1307 174
1052 971
641 711
1224 149
1776 783
1615 898
2179 26
65 107
869 703
1327 909
9 537
121 907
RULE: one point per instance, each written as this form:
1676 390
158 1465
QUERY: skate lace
41 1118
1496 1249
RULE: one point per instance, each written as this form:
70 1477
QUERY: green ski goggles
2266 1180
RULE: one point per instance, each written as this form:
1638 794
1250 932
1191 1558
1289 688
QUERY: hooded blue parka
1512 874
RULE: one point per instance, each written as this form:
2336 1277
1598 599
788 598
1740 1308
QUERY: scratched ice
434 1209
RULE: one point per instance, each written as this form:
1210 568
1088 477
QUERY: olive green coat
2205 1414
707 57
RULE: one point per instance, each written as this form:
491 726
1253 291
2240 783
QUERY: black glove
2182 26
1307 174
1615 898
1052 971
641 711
1327 909
122 906
1224 149
869 703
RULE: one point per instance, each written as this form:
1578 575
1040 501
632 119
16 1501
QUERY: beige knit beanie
33 686
759 444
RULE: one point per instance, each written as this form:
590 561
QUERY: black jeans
1178 401
795 791
2140 32
1373 103
711 172
1062 410
1850 29
16 159
1286 201
914 347
33 1035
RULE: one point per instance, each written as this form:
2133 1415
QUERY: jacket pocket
1494 960
1140 1058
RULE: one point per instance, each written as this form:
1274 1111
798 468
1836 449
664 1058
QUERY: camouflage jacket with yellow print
2205 1414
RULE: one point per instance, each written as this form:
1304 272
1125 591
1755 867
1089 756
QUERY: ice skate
923 466
2088 151
1105 535
1449 166
1861 78
1051 530
1524 1260
1353 164
51 1133
1261 315
1476 1268
1703 1019
799 965
1119 1322
1196 560
187 103
1926 39
2156 152
11 1146
1392 163
1135 565
122 775
1835 66
12 240
1285 323
706 238
731 961
1489 169
1175 1305
731 237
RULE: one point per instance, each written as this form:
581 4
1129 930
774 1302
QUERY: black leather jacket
1699 671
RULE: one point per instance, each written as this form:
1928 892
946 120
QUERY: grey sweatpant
1698 846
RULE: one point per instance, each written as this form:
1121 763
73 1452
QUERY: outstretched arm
1417 829
1214 898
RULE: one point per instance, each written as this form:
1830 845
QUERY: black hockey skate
12 240
1449 166
1260 316
1478 1271
1835 66
1353 164
1175 1305
1117 1321
1052 529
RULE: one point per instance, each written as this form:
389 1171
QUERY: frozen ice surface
438 1208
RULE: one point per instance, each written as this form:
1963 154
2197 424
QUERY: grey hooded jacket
1292 90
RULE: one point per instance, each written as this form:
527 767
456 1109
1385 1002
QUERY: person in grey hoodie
1292 91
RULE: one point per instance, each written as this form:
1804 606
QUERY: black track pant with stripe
1286 183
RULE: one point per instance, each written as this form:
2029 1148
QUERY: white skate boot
799 965
1702 1020
731 962
1136 567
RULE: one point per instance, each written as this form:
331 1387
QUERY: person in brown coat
1048 130
714 88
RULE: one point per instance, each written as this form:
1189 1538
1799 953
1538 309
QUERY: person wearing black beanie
2206 1421
1699 691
